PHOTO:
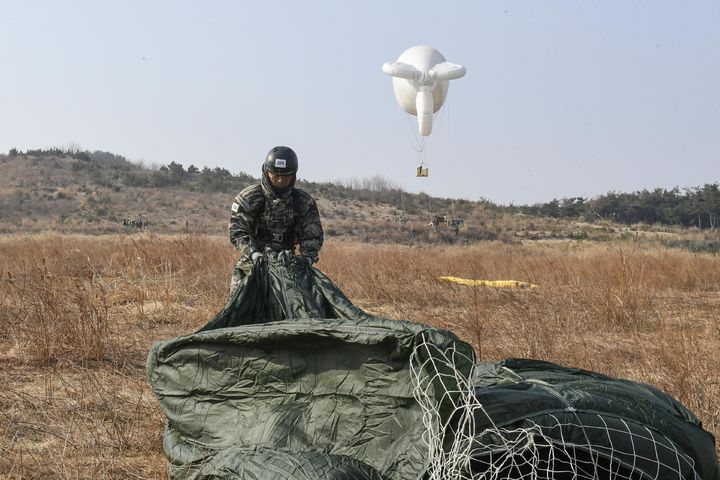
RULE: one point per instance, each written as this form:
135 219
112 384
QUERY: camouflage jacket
261 218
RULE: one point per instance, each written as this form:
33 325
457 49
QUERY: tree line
690 207
70 151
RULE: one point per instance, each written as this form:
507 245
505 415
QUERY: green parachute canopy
346 395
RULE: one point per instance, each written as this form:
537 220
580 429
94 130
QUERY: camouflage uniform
262 218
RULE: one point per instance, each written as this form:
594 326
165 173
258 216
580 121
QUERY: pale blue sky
562 98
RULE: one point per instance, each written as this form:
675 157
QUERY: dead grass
78 314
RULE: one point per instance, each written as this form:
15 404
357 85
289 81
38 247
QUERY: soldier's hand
255 256
309 260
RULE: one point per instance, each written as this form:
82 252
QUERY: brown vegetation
101 193
78 314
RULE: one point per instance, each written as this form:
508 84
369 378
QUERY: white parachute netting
464 443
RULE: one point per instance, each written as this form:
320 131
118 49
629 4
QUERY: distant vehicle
140 223
436 222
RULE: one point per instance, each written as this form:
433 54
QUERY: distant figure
274 215
456 224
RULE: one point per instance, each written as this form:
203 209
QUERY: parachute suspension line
403 213
444 118
418 141
464 443
439 118
420 144
439 388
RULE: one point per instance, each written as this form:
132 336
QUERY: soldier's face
279 181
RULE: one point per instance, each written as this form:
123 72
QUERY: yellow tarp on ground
489 283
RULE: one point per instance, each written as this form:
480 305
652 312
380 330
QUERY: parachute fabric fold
625 427
284 286
294 394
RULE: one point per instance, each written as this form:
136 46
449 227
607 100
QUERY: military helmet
281 161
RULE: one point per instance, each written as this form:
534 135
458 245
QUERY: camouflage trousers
241 270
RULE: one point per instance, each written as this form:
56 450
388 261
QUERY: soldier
455 224
274 214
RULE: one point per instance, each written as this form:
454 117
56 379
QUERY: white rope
457 451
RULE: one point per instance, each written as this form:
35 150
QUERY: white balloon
420 81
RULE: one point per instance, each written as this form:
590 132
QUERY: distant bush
71 152
130 179
711 245
163 178
111 160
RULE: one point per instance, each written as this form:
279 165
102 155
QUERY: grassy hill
95 192
103 193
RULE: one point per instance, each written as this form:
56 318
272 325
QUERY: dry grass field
78 314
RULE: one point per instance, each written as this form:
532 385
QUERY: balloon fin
447 71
